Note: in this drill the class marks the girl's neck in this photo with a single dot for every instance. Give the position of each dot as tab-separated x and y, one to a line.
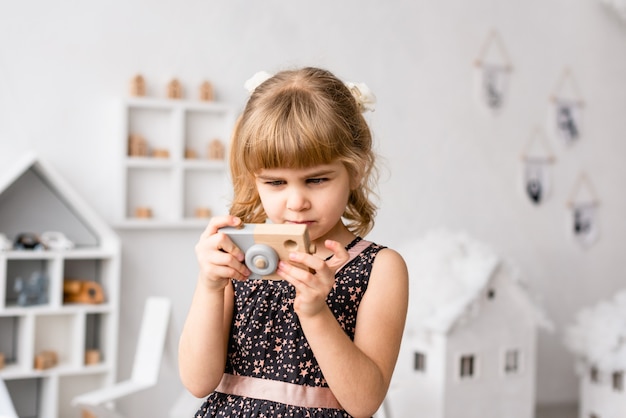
338	233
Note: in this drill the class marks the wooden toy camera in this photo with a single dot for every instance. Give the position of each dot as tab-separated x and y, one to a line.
265	244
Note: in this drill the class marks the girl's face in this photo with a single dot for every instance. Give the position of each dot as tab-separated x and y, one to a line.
316	196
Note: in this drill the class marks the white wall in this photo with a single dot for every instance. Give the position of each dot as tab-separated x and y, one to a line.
64	65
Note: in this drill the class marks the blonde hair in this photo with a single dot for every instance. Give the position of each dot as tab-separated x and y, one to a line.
298	119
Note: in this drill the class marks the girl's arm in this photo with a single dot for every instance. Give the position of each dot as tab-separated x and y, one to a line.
203	342
359	372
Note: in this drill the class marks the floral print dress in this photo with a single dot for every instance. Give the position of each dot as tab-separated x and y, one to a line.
267	342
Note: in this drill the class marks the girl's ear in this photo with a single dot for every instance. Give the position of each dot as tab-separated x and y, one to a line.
356	178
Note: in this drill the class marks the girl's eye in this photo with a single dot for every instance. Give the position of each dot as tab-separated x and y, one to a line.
316	180
275	182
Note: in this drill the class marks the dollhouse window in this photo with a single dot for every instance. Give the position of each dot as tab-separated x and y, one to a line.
618	381
511	361
467	366
419	362
594	375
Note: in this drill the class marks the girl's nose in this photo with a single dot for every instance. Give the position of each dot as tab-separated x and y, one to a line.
297	201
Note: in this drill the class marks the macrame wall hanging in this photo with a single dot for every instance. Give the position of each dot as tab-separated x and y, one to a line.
537	160
565	115
584	204
492	76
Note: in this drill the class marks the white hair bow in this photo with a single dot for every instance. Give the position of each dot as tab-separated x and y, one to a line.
256	80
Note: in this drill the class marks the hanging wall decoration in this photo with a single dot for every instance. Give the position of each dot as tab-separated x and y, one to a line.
537	160
493	68
566	113
584	204
617	6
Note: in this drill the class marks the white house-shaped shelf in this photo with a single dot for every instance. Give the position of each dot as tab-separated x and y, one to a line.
35	198
469	349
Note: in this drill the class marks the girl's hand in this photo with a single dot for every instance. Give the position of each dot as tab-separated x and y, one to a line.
312	288
218	257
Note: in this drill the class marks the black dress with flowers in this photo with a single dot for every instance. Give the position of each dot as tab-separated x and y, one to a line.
267	341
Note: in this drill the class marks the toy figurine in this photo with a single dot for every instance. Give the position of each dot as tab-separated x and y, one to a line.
54	240
137	86
33	291
160	153
82	291
5	243
28	241
190	154
87	414
202	212
174	89
137	146
206	92
143	212
46	359
92	356
216	150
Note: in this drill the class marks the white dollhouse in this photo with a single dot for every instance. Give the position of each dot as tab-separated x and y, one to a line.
598	340
469	345
54	348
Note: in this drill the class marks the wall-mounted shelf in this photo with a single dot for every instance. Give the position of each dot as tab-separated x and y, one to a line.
174	174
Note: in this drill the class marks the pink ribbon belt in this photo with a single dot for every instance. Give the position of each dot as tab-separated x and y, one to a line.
276	391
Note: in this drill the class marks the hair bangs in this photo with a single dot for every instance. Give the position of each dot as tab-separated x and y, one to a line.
294	134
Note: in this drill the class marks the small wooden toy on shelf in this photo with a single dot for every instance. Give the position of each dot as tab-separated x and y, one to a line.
143	212
92	356
190	154
82	291
174	89
203	212
1	361
138	86
46	359
137	146
33	291
160	153
87	414
206	92
215	150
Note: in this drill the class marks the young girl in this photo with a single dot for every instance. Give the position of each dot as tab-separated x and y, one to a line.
324	341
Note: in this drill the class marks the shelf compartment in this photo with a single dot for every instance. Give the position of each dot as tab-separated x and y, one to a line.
204	126
30	281
15	331
153	188
88	281
96	326
62	334
205	189
156	126
26	394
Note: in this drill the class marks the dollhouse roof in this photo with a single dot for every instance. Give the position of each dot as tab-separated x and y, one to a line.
35	198
448	272
598	335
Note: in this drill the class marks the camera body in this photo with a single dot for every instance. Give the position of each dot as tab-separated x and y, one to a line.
264	245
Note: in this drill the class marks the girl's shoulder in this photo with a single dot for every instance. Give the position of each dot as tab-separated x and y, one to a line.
381	256
362	245
388	263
